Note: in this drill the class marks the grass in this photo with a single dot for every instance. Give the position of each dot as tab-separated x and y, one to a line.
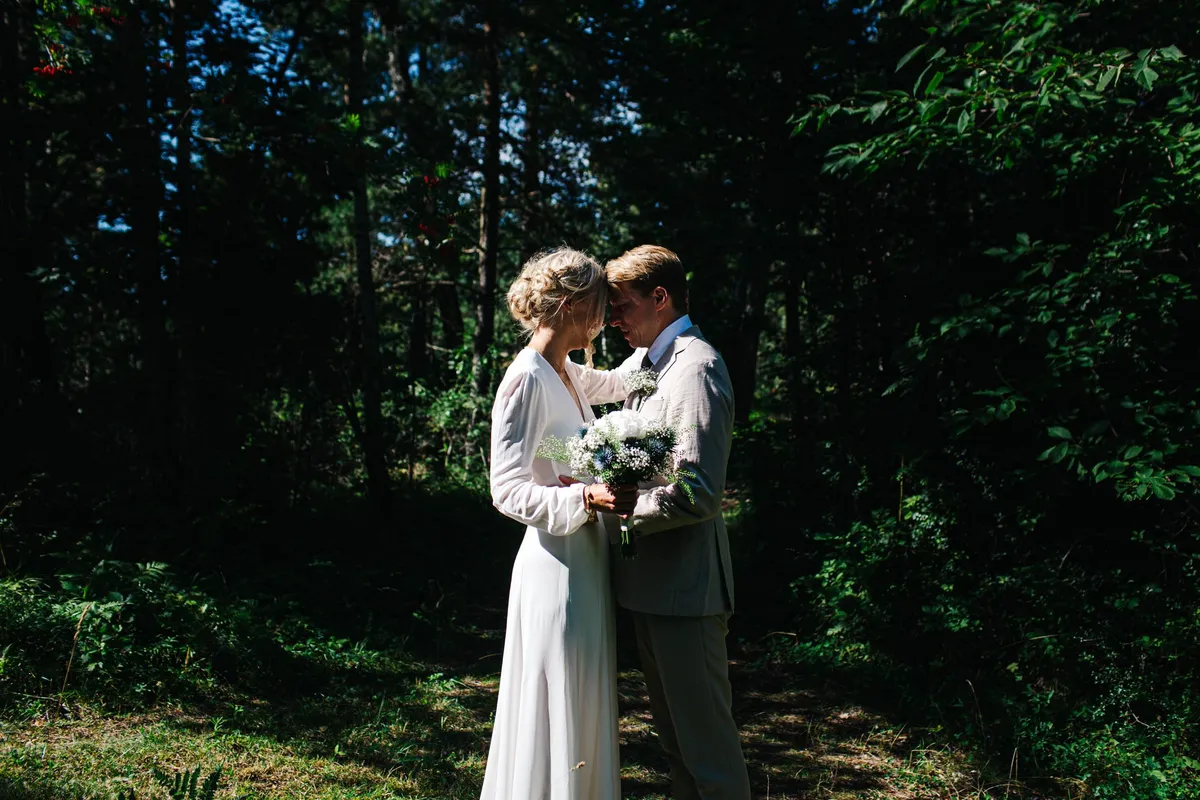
364	684
385	724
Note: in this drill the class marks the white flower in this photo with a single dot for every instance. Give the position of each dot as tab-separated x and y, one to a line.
623	424
635	460
641	381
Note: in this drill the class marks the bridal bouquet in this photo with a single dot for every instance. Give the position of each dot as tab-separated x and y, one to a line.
621	448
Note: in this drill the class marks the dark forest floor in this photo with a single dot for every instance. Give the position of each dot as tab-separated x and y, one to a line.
392	697
395	725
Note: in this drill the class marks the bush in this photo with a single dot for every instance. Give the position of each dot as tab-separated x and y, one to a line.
128	631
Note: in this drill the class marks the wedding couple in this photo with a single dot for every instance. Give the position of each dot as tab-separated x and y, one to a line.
555	734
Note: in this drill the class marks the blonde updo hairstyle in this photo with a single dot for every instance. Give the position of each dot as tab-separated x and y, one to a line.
549	280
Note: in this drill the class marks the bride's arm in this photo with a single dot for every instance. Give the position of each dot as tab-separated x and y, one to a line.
519	418
607	386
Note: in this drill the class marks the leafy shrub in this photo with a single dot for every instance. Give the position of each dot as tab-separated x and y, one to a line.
127	630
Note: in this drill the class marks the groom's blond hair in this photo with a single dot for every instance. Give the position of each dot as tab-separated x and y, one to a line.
647	266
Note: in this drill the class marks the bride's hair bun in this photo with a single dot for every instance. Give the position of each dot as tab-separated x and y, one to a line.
548	280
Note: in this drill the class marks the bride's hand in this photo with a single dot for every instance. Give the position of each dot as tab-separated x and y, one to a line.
618	500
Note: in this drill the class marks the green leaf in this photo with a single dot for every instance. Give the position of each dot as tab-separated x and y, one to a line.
964	121
995	251
920	78
1145	76
1132	451
1170	53
877	110
1059	452
1058	432
1023	239
1163	491
1106	79
934	82
907	57
1190	470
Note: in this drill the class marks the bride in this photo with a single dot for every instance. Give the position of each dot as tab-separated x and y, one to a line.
555	733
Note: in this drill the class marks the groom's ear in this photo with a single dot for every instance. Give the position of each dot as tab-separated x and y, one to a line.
661	298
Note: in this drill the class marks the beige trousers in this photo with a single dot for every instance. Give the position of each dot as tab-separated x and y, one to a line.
687	677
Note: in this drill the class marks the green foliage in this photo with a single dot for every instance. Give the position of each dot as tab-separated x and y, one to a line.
187	785
128	631
183	785
1040	560
958	303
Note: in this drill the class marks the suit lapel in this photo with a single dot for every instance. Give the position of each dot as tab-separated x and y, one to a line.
681	343
666	361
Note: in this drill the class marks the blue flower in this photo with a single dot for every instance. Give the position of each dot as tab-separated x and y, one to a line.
603	458
583	429
655	447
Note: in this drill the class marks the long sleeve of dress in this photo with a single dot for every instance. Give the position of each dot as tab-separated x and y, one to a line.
519	418
605	386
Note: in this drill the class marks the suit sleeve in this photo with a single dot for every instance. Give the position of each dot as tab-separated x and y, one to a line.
702	408
519	418
606	386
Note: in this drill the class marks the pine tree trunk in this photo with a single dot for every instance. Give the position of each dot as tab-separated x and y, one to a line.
532	166
743	365
445	294
181	284
489	214
143	151
29	402
372	379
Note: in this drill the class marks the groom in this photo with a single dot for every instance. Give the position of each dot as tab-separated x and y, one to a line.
680	586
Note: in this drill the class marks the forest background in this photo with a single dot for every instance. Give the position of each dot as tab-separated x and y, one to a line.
254	256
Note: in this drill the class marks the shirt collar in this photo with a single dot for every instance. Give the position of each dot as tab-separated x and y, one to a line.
664	339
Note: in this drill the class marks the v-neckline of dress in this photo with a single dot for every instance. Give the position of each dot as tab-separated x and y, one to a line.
576	399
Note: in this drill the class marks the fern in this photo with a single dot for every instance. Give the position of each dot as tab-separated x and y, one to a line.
182	785
187	785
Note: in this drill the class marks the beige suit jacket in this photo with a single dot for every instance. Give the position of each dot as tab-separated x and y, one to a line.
683	566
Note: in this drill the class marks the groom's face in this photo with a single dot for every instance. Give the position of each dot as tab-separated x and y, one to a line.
633	313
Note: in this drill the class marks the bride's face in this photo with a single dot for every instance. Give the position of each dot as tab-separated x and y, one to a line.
585	318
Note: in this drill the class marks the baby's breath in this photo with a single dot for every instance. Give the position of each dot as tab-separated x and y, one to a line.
641	382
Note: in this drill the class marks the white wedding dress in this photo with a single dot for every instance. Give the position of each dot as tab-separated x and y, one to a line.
555	733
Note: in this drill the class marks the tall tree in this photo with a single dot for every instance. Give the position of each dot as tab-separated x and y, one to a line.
372	363
143	149
489	206
27	357
183	275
